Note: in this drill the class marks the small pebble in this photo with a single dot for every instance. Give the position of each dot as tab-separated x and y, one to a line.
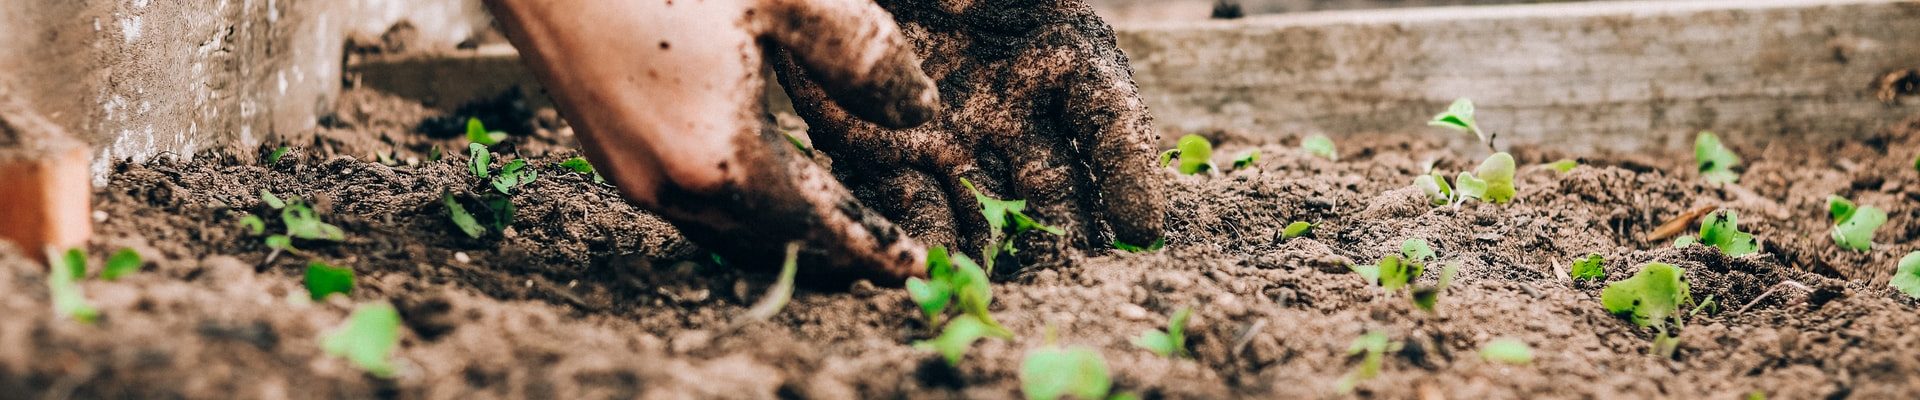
1133	312
461	256
99	216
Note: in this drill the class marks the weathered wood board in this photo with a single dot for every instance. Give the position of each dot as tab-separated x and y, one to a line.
1621	75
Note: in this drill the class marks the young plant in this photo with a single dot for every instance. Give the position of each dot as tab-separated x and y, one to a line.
1853	226
953	279
324	280
1459	117
299	221
63	284
1651	298
512	175
461	218
496	205
1246	159
122	263
1906	275
1563	166
1716	161
367	339
956	338
580	165
1507	350
1721	230
1051	372
1192	155
1156	246
1439	193
1320	146
1492	182
1296	229
778	295
1425	297
478	133
1170	342
1007	219
1591	267
274	157
1374	345
1396	271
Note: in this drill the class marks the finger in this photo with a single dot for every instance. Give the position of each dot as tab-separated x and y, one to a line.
1105	109
778	196
913	199
1044	175
857	54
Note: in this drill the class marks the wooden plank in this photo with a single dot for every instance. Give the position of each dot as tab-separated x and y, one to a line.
1586	74
1620	75
1133	11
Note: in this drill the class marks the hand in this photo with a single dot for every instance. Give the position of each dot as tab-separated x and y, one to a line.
666	95
1040	105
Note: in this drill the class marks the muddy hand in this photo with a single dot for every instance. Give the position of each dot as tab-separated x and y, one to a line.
1039	105
666	96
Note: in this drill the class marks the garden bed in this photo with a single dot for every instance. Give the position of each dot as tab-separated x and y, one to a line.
589	297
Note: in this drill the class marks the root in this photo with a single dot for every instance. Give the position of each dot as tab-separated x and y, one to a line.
1776	287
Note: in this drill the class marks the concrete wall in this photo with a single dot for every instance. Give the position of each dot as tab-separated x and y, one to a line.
143	77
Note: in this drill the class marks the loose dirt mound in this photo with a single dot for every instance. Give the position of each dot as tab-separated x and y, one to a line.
588	297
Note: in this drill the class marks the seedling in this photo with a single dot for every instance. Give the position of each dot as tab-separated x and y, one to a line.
1192	155
1051	372
1438	192
1375	345
1651	298
1507	350
1156	246
1591	267
1685	240
63	284
513	175
799	145
1246	159
1906	276
461	218
1170	342
953	279
479	160
1417	250
1007	219
1563	166
367	339
478	133
1715	160
779	294
1721	230
581	166
324	280
274	157
1296	229
1853	226
122	263
1320	146
1396	271
299	221
1425	297
958	336
1492	182
1459	117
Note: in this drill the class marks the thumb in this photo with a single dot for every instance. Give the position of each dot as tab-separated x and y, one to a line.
858	55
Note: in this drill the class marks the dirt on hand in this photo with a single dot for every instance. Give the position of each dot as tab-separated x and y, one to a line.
587	297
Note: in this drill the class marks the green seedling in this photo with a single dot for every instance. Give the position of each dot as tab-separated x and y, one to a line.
956	338
325	280
1492	182
1853	226
1374	345
1651	298
479	160
1417	250
122	263
1716	161
274	157
1371	272
1320	145
1459	117
1563	166
1296	229
513	175
386	158
1425	297
779	294
1906	275
1685	240
478	133
63	284
1007	219
1156	246
299	221
1467	186
272	201
1497	171
580	165
434	154
1721	230
1395	271
1051	372
1246	159
1192	155
799	145
1507	350
461	218
953	279
254	224
1438	192
368	338
1170	342
1591	267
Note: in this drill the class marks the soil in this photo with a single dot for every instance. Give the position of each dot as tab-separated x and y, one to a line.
588	297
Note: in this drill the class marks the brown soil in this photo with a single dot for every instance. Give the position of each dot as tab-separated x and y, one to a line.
591	298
